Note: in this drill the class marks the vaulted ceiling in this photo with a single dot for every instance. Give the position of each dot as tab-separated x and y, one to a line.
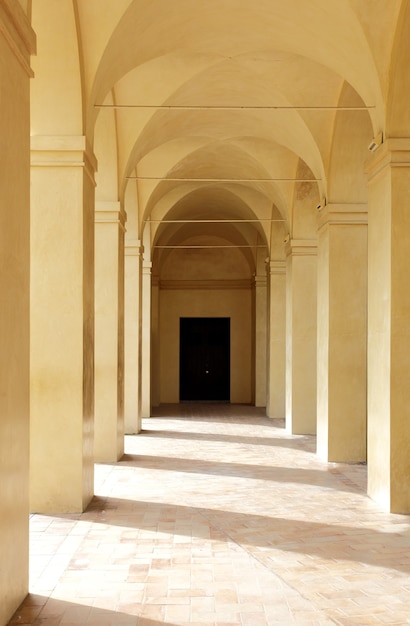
249	112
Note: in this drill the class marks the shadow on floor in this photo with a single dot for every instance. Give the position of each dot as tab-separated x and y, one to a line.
330	542
309	477
307	442
44	611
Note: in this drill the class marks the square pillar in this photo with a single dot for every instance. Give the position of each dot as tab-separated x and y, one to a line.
17	42
109	332
132	419
301	336
155	343
62	324
276	341
341	328
389	326
260	340
145	346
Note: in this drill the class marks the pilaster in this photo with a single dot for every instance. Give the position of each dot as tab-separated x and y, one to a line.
276	340
388	327
145	364
17	42
133	253
260	339
341	343
301	336
155	342
62	324
109	332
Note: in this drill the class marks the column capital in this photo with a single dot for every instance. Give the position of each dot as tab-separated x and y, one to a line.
110	213
276	267
301	247
338	214
16	30
260	281
394	152
63	151
133	247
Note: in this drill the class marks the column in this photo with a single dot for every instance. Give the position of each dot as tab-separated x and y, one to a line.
341	328
260	340
132	418
145	352
155	348
301	336
389	327
17	42
62	324
109	332
276	339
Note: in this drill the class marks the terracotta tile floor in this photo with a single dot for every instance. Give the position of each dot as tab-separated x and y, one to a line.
216	516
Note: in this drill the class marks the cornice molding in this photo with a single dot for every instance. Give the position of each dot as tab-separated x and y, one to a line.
132	251
18	33
343	215
132	247
260	281
110	213
63	151
277	267
394	152
301	247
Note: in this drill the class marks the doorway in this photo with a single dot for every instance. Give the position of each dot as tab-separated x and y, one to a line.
204	359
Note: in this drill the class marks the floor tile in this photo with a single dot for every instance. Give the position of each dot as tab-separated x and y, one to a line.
216	516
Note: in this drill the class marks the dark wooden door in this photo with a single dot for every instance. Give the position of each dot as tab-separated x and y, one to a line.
204	372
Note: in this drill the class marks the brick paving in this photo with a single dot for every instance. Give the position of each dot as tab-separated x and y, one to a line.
216	516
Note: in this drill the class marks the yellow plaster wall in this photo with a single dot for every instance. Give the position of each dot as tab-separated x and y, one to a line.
389	309
379	340
233	303
62	327
109	335
14	324
276	389
88	204
131	336
301	339
342	347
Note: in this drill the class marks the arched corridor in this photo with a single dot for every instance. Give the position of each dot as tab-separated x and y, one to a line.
209	200
215	515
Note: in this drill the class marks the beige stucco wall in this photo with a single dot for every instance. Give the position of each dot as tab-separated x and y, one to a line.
233	303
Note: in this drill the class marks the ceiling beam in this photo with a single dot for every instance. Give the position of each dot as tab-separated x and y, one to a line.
204	246
227	180
193	107
214	221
